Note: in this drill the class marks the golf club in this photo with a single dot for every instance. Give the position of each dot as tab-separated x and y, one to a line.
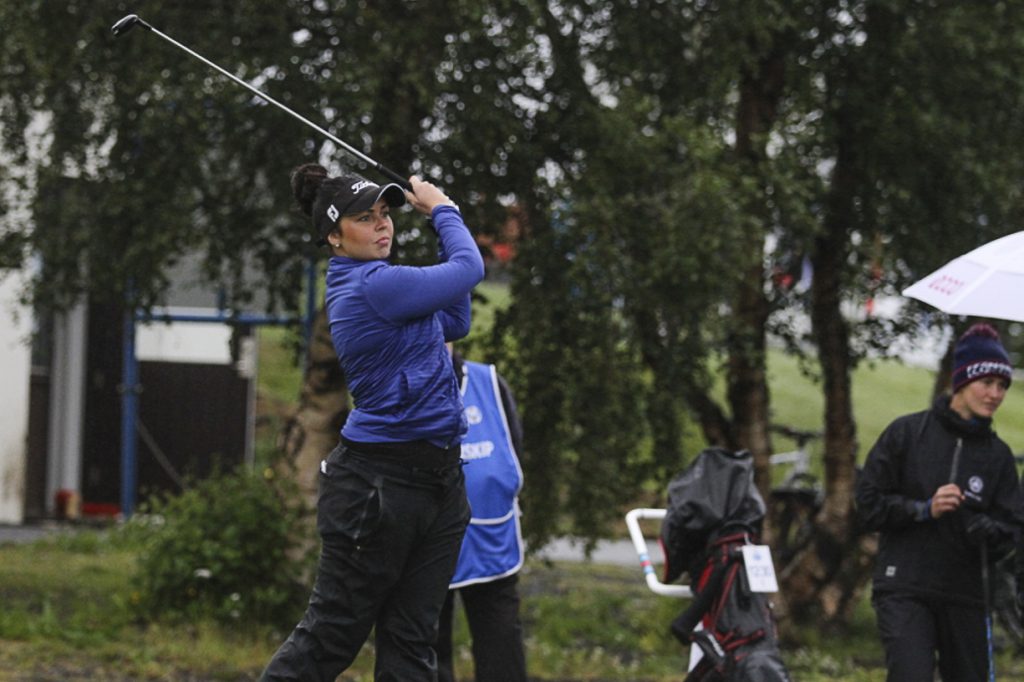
132	20
986	594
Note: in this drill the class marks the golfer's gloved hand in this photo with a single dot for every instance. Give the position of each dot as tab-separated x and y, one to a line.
983	529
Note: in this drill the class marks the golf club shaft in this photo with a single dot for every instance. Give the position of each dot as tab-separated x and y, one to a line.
988	611
390	174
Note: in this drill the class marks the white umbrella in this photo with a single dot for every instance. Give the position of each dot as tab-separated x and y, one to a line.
986	282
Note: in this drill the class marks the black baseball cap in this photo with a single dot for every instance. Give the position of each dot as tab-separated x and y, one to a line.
356	195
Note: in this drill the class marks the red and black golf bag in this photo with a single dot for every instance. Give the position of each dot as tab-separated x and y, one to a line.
714	509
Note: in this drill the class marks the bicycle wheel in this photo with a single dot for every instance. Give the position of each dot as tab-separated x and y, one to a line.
793	511
1005	616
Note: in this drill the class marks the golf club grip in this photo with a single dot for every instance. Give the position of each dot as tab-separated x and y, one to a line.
394	177
954	469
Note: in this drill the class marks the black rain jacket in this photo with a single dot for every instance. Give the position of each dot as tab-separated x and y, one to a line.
911	460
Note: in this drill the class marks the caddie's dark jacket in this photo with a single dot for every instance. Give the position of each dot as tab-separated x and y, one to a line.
911	460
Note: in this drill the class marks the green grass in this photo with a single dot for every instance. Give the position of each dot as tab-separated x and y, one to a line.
882	391
581	621
66	603
40	603
67	616
280	375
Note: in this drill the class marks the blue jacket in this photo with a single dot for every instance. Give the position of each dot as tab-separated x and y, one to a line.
389	324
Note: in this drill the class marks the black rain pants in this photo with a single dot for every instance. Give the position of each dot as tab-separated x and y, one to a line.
915	629
391	528
492	611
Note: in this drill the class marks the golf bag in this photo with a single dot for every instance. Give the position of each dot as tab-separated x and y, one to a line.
714	509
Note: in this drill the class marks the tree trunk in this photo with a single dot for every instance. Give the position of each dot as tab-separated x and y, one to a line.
822	581
312	431
748	377
747	373
714	424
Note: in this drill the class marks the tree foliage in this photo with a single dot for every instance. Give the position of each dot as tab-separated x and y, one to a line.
850	136
147	154
671	167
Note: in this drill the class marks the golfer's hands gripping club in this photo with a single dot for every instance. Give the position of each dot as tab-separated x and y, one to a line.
425	196
946	499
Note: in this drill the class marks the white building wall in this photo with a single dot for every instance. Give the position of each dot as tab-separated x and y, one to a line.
67	404
15	369
200	342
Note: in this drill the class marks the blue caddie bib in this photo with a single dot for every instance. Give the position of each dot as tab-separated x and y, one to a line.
493	546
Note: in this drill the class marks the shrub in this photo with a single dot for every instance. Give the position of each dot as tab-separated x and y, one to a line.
224	549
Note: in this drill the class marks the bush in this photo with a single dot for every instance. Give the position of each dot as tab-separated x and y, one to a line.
223	550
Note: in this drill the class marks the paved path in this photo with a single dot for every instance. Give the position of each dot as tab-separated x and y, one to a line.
617	552
25	533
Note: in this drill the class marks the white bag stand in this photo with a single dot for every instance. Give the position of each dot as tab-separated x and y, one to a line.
650	575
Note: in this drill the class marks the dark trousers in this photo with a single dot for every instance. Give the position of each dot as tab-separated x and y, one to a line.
914	629
391	531
492	611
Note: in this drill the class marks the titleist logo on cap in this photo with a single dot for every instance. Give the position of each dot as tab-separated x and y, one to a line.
356	187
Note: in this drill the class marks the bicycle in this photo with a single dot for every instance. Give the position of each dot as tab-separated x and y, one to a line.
1004	594
797	498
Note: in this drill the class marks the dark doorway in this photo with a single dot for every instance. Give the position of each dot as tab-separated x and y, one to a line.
192	421
193	418
38	439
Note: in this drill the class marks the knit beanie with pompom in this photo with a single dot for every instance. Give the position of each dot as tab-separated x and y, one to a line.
979	353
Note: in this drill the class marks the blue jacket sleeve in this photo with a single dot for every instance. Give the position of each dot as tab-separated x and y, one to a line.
401	293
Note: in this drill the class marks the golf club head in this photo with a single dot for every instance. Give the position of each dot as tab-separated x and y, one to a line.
126	24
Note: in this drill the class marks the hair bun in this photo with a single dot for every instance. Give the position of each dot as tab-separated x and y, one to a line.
306	180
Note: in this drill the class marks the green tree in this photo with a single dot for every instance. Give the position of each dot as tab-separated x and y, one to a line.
873	138
148	156
897	112
663	161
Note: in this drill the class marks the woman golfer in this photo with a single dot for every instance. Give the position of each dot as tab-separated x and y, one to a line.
392	508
